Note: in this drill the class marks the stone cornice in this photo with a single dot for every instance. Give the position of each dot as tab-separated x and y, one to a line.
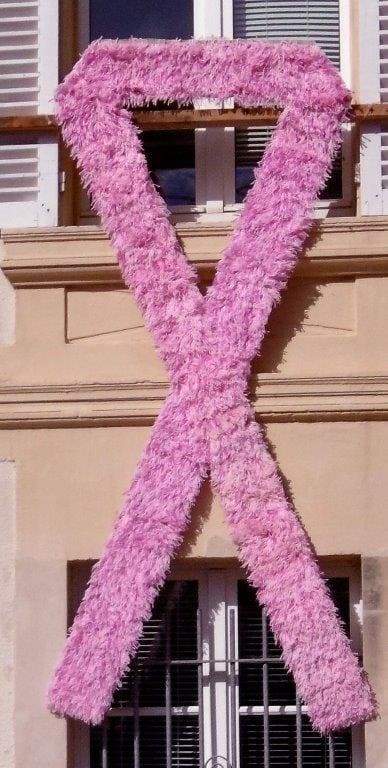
274	398
70	256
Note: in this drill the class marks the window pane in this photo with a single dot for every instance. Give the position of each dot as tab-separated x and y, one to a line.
141	18
282	744
250	144
281	691
170	154
315	20
175	611
171	160
281	686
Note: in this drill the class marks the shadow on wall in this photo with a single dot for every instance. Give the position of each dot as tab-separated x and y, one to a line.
286	320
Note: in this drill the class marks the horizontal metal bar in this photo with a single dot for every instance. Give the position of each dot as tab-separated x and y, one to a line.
250	709
273	709
185	119
194	662
152	711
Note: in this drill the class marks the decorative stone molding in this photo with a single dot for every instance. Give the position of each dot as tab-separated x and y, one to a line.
121	404
64	256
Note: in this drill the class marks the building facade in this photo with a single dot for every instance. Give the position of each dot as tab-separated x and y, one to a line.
81	385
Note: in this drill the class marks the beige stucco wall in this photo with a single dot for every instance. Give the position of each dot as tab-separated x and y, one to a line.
80	385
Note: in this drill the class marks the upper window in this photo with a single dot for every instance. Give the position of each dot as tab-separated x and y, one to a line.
209	687
317	20
209	171
141	18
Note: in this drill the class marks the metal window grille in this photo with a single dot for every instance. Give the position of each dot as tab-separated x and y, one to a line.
158	717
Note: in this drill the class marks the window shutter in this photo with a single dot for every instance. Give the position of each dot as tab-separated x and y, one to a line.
28	76
314	20
170	633
383	49
373	45
281	693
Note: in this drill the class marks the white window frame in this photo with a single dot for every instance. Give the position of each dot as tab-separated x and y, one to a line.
218	603
214	147
42	210
373	198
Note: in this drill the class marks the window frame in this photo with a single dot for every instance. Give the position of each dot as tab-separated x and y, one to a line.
214	147
214	581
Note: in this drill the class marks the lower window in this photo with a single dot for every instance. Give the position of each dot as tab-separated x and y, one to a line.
208	687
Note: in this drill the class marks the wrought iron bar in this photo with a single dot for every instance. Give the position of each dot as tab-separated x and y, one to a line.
299	759
200	689
233	701
265	690
168	692
331	751
104	758
136	718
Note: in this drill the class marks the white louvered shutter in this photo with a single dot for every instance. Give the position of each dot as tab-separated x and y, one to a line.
316	20
383	87
28	76
313	20
373	88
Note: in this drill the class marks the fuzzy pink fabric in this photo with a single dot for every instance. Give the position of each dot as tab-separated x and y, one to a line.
207	344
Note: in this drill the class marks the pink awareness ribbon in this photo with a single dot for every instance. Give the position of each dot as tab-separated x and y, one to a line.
207	344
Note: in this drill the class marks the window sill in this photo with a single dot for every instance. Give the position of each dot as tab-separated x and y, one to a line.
63	256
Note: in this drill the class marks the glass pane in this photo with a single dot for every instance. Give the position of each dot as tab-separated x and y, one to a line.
141	18
250	144
120	742
185	742
170	154
152	742
171	161
282	744
175	611
314	20
281	686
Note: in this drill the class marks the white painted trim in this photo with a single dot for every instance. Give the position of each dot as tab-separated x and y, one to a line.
373	199
369	43
371	193
83	33
215	695
48	53
48	186
42	209
232	575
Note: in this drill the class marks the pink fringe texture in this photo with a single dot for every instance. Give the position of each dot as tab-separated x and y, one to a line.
207	344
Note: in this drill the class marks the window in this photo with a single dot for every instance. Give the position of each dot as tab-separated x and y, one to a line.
373	87
209	171
170	155
307	20
28	75
208	687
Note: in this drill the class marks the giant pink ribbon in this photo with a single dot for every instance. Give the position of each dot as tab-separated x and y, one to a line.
207	344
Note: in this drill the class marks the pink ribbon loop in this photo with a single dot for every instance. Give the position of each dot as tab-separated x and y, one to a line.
207	344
